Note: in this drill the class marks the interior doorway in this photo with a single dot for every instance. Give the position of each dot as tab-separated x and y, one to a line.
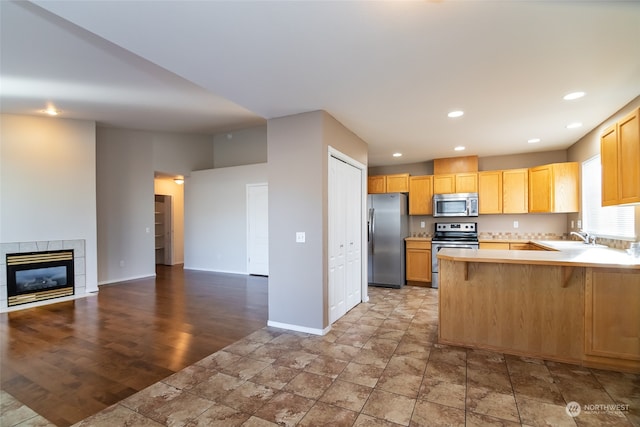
169	220
163	234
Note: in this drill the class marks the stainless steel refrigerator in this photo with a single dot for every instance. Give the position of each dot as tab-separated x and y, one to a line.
388	226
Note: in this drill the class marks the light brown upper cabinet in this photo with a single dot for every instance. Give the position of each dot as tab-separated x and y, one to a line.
553	188
377	184
398	183
490	192
620	157
466	182
421	195
515	191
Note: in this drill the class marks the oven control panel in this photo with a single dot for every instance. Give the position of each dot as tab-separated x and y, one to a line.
456	226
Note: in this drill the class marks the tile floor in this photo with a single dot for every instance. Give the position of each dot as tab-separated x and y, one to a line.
378	366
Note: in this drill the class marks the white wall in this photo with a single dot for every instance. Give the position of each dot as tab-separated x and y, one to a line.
48	183
216	217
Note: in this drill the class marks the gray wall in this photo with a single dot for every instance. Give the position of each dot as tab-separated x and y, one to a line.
126	162
298	183
241	147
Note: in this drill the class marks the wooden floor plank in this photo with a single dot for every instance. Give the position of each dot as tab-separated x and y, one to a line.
72	359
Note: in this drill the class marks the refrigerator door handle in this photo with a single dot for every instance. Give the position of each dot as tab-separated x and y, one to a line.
372	227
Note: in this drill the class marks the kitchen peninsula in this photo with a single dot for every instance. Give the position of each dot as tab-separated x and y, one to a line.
570	303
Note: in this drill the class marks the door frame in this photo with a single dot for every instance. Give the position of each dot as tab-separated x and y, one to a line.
332	152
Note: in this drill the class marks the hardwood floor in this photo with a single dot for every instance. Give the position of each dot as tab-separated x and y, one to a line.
70	360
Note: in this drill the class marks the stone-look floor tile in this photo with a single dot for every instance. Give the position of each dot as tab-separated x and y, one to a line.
346	395
13	412
36	421
447	354
537	388
258	422
290	340
490	379
147	400
389	406
603	419
308	385
405	365
268	353
443	393
432	414
412	349
322	414
370	320
117	415
353	339
245	368
486	360
361	329
340	351
487	402
481	420
285	409
189	377
537	413
295	359
381	346
326	366
275	376
220	416
181	410
264	335
367	375
397	324
390	334
249	397
243	347
216	387
400	383
218	360
369	421
446	372
370	357
622	387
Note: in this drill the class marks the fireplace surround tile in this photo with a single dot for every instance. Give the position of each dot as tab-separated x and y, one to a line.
78	247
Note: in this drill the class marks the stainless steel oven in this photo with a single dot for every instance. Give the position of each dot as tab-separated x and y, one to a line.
457	235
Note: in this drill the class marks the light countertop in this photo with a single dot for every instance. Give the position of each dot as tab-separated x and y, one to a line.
561	252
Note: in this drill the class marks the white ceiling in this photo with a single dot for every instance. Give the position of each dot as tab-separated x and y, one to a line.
388	70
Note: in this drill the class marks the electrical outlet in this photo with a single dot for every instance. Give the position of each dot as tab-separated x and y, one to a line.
516	224
572	224
421	224
579	224
300	237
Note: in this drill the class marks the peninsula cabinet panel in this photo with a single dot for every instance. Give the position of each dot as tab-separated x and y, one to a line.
553	188
620	157
515	191
421	195
490	192
612	317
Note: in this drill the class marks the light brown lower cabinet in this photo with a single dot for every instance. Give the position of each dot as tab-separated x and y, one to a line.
418	262
612	317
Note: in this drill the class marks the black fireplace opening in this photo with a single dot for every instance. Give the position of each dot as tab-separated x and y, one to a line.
37	276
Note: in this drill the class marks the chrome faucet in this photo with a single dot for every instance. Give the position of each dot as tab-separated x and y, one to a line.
587	238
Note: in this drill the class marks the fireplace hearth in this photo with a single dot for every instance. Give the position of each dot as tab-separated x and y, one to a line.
39	276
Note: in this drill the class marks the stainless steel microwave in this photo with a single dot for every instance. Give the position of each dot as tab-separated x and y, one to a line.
456	204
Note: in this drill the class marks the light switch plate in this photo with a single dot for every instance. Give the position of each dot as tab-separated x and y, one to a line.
300	237
516	224
421	224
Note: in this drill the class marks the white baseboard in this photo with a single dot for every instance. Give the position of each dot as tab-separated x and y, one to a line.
299	328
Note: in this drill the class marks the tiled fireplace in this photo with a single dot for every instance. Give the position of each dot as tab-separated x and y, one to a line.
44	272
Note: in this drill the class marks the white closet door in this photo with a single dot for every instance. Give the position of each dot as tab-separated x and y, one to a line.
345	239
337	256
258	229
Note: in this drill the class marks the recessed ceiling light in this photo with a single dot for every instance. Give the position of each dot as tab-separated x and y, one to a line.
454	114
573	95
397	154
533	140
51	111
460	148
574	125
